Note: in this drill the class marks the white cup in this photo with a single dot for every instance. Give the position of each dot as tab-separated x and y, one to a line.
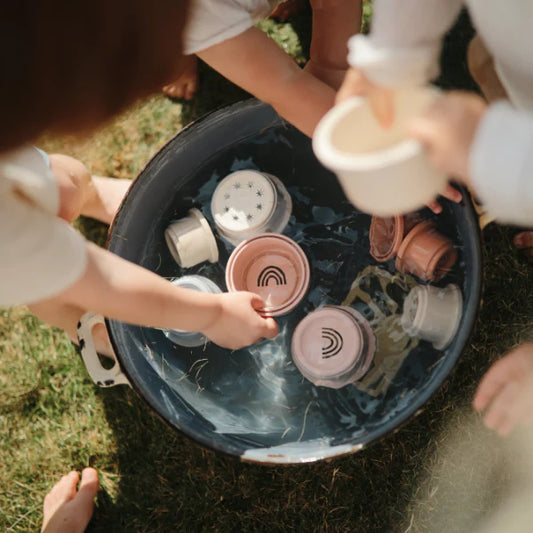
191	339
247	203
191	241
433	313
382	171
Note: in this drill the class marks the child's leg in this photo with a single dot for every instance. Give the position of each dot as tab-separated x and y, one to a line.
187	84
67	509
82	194
334	22
66	317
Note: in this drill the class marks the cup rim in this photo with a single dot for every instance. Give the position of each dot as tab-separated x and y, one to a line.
396	240
208	232
339	160
303	262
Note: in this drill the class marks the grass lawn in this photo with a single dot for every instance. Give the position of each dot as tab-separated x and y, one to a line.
53	419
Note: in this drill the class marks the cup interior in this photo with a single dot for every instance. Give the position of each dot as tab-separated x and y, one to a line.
271	266
358	132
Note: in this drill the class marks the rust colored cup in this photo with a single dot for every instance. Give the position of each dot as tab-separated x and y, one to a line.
426	253
387	233
272	266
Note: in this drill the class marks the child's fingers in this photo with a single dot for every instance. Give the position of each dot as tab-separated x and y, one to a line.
501	413
382	104
257	302
271	328
452	194
524	239
435	207
492	382
354	84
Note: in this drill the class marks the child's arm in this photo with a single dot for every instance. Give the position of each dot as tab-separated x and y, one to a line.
402	50
506	391
124	291
489	148
257	64
334	22
403	47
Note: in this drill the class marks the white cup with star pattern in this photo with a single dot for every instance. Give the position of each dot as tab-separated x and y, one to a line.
247	203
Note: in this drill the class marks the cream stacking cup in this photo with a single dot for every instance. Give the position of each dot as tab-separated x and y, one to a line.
247	203
272	266
190	339
433	314
382	170
333	346
191	241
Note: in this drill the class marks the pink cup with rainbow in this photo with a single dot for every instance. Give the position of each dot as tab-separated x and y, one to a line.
333	346
272	266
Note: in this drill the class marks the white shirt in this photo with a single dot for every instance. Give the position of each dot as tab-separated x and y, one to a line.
212	21
42	255
403	50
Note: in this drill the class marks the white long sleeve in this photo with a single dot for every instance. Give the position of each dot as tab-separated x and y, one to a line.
404	45
501	164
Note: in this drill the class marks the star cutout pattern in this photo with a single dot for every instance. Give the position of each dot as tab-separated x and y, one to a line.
253	210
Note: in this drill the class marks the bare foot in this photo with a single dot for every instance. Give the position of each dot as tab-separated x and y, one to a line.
104	198
80	193
285	10
524	242
187	84
68	511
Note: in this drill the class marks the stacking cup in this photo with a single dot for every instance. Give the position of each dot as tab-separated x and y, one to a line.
387	233
247	203
433	314
333	346
190	339
272	266
191	241
382	170
426	253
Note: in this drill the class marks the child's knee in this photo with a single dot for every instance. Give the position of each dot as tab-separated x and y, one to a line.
74	180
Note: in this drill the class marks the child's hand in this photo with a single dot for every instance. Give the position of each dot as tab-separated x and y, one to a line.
382	103
239	324
448	128
508	388
381	99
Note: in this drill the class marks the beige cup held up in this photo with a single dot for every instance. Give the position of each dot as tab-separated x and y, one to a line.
382	171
